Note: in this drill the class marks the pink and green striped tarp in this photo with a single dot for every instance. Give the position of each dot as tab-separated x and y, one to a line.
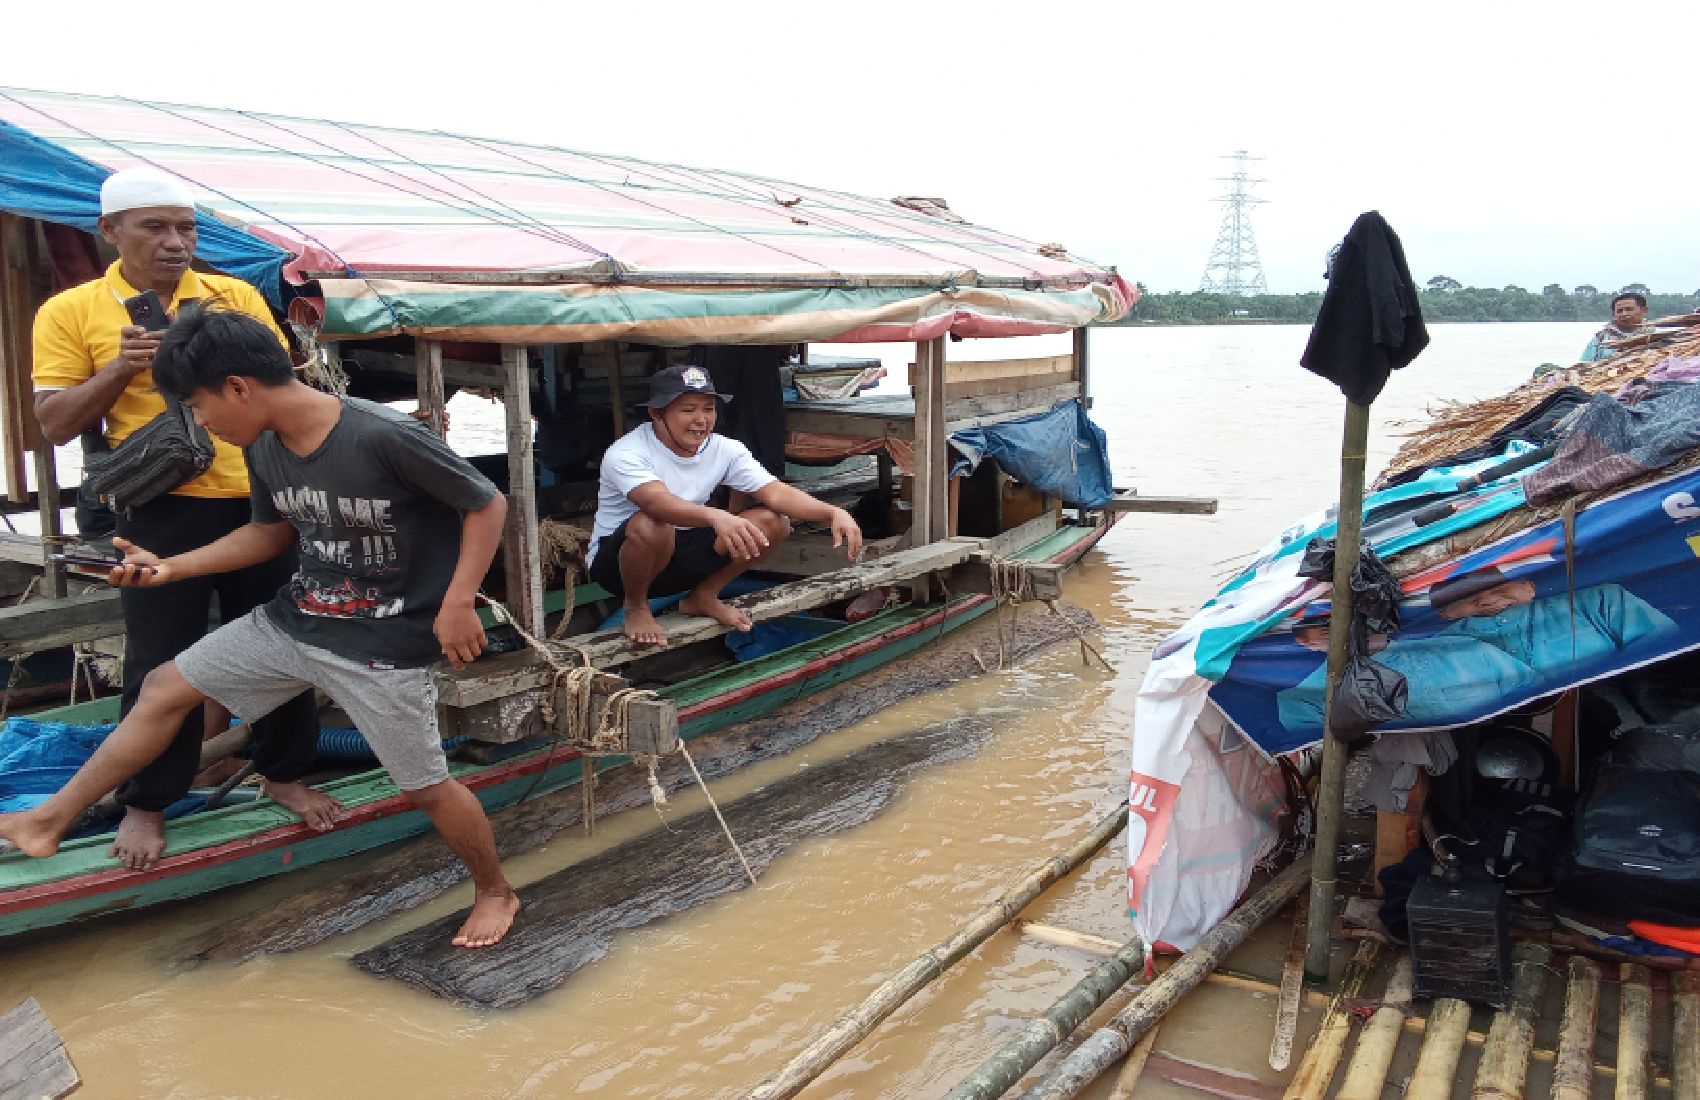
382	230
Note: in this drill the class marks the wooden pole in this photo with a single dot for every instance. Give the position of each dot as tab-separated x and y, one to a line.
617	393
1292	983
428	378
1331	789
1634	1016
1505	1055
1573	1073
1443	1044
997	1074
1322	1057
1685	1035
852	1027
1128	1076
522	555
1110	1042
1366	1075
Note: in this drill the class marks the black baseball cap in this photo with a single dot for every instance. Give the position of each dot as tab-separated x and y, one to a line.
674	382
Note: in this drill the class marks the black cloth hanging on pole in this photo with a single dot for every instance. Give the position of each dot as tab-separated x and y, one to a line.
749	373
1371	320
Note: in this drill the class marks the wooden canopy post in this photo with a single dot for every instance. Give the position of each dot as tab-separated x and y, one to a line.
1331	789
521	553
931	493
16	393
428	375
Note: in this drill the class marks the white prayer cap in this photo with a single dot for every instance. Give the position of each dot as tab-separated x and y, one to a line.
134	188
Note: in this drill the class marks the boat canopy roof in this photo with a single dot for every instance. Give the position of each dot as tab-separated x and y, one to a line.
380	231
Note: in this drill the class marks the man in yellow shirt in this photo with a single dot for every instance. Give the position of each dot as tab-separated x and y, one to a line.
92	363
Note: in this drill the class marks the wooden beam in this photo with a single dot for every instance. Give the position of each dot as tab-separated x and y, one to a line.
617	394
522	554
33	1062
428	373
1083	363
927	430
610	648
499	700
969	411
811	554
970	371
17	392
48	624
975	575
1126	500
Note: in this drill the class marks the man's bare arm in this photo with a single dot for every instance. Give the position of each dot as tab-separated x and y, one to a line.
742	539
250	544
458	630
66	413
788	500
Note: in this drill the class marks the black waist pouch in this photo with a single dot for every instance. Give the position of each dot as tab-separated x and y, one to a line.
165	453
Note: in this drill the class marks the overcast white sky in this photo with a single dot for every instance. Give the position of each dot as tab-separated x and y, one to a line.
1507	142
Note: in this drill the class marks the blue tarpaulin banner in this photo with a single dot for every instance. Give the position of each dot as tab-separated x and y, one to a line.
40	180
1033	449
1503	625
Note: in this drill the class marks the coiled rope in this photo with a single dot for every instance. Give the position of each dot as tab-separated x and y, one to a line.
610	735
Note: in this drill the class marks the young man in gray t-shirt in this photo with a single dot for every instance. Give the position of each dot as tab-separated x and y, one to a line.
395	532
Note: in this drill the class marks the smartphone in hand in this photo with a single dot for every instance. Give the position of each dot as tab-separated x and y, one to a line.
85	560
146	310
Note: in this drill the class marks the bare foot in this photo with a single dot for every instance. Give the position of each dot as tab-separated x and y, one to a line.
723	613
141	839
491	917
642	628
29	834
317	809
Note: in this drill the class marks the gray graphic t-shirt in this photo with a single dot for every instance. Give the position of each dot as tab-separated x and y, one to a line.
377	510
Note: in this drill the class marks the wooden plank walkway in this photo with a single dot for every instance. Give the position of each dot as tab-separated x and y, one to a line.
33	1062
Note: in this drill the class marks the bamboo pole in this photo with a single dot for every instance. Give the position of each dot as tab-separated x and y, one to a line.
1322	1057
1685	1036
428	382
1444	1035
1634	1011
1128	1077
1292	982
1109	1043
997	1074
1331	787
853	1026
1366	1074
1573	1073
1505	1055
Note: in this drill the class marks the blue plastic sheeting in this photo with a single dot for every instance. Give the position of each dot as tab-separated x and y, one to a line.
777	634
37	758
40	180
1060	452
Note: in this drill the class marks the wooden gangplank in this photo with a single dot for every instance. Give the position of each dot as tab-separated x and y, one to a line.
33	1062
1131	500
48	624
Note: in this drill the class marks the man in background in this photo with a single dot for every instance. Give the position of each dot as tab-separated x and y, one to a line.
1628	318
92	363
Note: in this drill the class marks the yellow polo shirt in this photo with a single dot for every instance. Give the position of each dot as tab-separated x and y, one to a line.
76	334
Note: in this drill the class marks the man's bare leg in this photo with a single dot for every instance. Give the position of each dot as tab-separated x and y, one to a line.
645	553
460	820
705	599
143	734
318	809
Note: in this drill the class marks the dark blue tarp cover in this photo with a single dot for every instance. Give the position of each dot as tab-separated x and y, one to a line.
1060	452
40	180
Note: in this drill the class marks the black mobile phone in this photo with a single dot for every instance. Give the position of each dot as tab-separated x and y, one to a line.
88	561
146	310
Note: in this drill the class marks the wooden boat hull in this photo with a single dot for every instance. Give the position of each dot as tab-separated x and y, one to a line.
245	843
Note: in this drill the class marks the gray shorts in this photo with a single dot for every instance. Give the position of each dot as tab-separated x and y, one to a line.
252	668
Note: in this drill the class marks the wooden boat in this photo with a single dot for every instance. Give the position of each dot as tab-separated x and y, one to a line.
522	290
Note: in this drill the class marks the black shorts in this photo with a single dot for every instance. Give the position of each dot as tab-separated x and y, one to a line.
694	559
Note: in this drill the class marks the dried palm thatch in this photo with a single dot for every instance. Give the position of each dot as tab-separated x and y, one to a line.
1458	425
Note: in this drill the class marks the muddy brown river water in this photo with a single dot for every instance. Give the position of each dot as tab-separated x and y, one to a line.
709	1002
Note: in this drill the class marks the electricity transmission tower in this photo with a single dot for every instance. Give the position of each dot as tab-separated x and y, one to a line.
1234	267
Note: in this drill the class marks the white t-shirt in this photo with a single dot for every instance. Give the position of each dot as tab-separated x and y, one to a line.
638	457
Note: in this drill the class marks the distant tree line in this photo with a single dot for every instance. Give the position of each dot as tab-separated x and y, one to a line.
1443	299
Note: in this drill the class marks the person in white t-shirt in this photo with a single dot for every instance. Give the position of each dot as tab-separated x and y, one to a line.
655	534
